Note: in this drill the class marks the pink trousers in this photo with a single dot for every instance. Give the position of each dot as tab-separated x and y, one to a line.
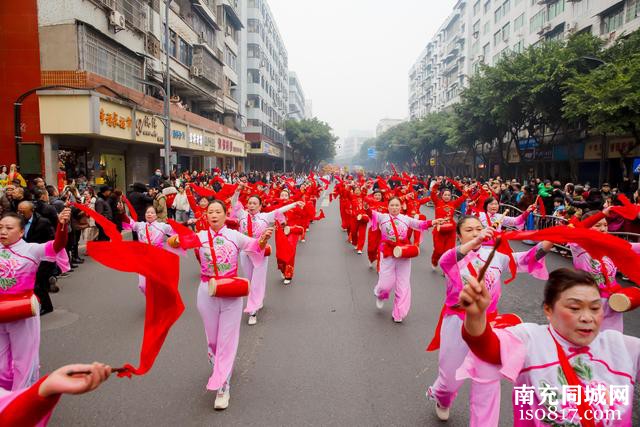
19	353
484	397
221	318
258	278
395	275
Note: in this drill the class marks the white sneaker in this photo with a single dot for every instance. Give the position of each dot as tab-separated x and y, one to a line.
441	412
287	281
303	240
222	400
359	252
372	264
379	303
253	319
396	320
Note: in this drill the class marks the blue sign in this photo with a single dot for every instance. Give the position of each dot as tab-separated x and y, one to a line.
636	165
527	143
371	153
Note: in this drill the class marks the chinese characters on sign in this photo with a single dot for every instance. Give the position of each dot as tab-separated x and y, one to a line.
114	120
148	129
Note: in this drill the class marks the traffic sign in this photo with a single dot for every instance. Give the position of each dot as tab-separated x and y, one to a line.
371	153
636	166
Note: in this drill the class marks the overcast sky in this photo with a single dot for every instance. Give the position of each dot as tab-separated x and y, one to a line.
353	56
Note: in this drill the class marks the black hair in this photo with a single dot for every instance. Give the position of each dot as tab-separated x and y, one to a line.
394	198
463	220
488	201
257	197
563	279
146	208
558	199
14	215
219	202
589	214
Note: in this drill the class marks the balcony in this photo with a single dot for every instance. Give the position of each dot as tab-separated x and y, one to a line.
207	66
231	8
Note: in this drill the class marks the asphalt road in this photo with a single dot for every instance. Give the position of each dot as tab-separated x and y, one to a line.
321	354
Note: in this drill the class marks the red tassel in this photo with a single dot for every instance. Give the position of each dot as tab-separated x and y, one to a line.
132	212
109	228
164	305
542	211
188	239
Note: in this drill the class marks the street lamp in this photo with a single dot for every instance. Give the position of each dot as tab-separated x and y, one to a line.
166	121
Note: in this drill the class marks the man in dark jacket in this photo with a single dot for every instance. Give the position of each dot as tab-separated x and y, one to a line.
38	229
139	199
103	208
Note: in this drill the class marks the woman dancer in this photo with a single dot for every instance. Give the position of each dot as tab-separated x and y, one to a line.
219	253
395	273
444	236
458	264
489	217
570	356
19	261
149	231
253	223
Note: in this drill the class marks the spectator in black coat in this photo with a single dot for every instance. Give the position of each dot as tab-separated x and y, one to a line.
103	208
38	229
139	199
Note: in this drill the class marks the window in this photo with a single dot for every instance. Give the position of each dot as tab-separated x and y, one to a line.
476	7
186	52
496	38
506	31
254	4
476	27
485	50
487	6
110	60
556	8
517	3
253	76
485	29
518	47
633	9
537	21
497	15
173	46
231	59
474	49
253	25
518	22
506	7
613	20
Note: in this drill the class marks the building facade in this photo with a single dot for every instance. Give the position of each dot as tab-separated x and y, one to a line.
98	111
386	124
264	97
481	31
296	98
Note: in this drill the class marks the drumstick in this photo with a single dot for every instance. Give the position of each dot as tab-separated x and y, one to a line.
499	223
486	265
72	373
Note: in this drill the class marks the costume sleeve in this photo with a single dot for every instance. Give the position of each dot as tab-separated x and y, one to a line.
26	407
418	224
485	346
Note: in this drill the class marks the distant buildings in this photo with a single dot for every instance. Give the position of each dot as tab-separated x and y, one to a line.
386	124
481	31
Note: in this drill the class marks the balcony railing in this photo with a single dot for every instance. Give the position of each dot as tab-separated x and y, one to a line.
206	66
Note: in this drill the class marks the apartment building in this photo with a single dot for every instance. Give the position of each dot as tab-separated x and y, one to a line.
296	98
108	128
264	97
481	31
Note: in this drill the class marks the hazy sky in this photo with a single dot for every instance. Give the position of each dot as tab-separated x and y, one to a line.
353	56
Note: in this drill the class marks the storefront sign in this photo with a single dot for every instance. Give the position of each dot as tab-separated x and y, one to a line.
115	120
209	141
149	128
617	147
230	146
271	150
196	138
178	135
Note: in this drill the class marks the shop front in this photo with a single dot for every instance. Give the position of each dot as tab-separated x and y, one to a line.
95	139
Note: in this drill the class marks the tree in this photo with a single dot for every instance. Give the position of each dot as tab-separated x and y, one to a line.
312	141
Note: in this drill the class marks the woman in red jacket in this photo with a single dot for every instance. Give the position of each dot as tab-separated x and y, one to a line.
444	236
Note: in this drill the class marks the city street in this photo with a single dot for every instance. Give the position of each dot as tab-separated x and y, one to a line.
321	354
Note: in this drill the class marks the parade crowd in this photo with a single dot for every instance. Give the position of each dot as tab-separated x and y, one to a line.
234	222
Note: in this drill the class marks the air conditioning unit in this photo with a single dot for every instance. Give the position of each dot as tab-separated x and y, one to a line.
195	71
110	4
481	58
116	19
544	29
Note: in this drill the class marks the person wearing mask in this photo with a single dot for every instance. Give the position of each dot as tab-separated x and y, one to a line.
156	179
103	207
38	229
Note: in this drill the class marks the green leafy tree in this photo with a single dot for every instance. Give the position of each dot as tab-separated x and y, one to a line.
312	141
